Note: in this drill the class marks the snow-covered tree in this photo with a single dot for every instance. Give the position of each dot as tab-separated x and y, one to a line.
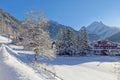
83	42
35	38
66	42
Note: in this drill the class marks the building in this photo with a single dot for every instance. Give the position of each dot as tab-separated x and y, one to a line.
104	47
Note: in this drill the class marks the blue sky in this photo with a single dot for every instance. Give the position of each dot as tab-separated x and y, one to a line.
74	13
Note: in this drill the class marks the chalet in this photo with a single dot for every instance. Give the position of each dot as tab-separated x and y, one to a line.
104	47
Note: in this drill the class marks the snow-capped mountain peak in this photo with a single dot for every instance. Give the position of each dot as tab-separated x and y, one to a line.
101	29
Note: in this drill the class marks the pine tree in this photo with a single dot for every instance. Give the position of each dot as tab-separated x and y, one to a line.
83	42
66	42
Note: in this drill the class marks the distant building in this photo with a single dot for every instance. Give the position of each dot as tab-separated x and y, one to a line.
104	47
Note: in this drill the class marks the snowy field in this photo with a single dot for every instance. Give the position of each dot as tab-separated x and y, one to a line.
84	68
17	64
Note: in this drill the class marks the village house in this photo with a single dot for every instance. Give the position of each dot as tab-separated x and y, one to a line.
105	47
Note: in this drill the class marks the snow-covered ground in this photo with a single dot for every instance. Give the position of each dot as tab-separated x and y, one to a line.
13	69
5	40
84	68
17	64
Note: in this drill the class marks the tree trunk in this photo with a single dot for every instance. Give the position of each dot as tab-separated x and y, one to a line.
36	58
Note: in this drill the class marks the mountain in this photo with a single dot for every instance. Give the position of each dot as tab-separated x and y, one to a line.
54	28
93	37
8	24
96	30
102	30
115	37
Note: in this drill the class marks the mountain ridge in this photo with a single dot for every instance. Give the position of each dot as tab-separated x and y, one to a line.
114	38
96	30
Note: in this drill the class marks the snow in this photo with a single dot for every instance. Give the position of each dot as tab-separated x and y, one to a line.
15	65
14	68
5	40
16	47
84	68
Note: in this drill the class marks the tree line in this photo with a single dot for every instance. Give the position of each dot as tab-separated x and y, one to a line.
72	44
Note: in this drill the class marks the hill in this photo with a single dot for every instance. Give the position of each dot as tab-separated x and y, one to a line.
115	37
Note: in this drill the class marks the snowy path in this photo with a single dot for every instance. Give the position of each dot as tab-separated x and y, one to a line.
13	69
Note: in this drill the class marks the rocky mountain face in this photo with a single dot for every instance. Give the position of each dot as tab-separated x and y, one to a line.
8	24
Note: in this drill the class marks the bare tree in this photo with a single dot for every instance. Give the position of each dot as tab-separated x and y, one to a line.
35	38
